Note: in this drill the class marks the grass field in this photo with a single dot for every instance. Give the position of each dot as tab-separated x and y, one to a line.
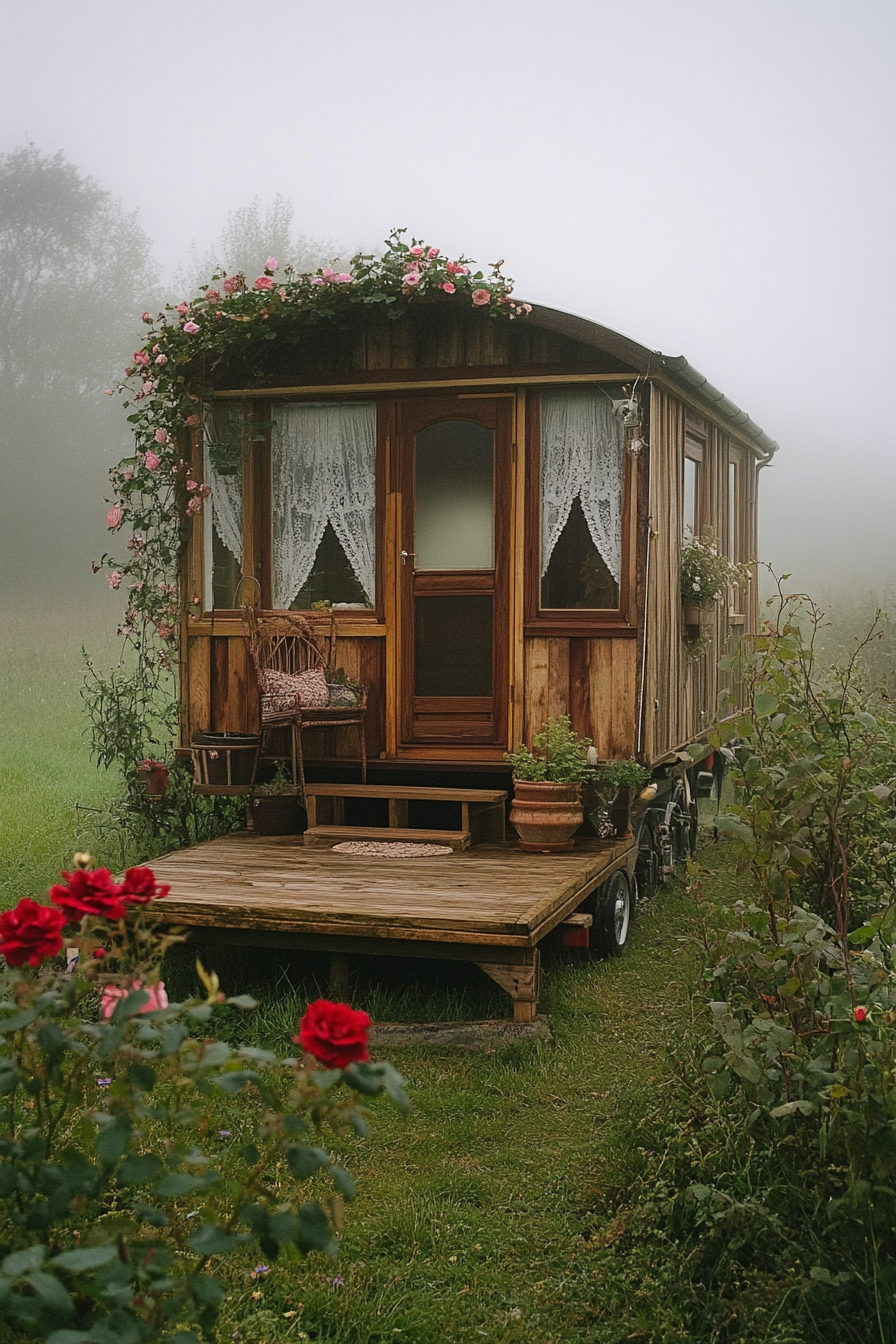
46	775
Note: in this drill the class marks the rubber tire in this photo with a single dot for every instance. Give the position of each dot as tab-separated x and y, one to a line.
613	912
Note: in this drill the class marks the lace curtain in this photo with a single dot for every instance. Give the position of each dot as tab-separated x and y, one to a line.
581	455
224	426
324	460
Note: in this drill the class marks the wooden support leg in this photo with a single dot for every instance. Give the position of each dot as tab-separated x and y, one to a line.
521	983
339	974
398	812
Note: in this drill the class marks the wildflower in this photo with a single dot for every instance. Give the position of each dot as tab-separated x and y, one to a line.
337	1282
223	1133
211	294
103	1082
259	1272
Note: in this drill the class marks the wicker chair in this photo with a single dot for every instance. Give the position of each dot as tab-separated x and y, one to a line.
284	642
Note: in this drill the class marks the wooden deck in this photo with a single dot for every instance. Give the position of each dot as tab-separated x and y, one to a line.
491	904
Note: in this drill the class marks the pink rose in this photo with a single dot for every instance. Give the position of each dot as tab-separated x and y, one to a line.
115	579
433	253
462	270
166	629
231	284
271	264
860	1013
192	420
127	475
447	286
152	461
416	251
190	328
264	282
141	357
344	278
161	359
412	278
452	268
161	436
146	318
194	506
192	485
212	294
317	280
328	274
113	993
113	517
148	386
182	308
481	297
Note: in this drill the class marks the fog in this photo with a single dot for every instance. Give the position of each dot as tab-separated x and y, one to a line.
714	180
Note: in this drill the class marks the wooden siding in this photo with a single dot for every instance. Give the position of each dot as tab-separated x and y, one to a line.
682	692
429	342
221	691
591	680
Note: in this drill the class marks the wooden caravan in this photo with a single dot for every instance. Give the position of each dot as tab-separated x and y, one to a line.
488	517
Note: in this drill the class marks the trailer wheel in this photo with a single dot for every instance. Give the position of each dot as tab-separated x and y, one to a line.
612	916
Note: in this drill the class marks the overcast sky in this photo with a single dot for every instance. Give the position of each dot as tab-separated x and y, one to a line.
714	179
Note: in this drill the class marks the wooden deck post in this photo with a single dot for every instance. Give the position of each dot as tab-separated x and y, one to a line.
521	983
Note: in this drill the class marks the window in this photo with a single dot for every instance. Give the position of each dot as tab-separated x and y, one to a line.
323	460
732	549
690	511
222	532
582	477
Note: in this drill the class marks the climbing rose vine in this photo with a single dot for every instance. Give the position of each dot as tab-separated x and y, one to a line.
229	323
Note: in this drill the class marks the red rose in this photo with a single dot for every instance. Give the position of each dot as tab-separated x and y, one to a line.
30	933
88	893
334	1033
860	1013
140	887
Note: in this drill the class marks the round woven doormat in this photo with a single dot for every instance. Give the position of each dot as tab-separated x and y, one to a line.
376	849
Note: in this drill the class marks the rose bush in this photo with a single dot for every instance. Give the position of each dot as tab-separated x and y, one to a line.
122	1217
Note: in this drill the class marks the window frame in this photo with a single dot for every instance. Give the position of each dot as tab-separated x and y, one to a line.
258	510
573	621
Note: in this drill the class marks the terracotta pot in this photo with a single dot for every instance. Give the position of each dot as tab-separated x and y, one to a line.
155	781
546	815
621	812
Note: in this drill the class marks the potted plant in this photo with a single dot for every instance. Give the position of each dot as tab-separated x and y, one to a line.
547	801
155	777
706	575
276	806
614	788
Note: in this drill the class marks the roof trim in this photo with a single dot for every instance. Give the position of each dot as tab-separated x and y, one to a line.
647	362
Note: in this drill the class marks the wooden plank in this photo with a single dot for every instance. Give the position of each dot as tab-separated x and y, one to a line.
601	694
409	791
422	384
198	686
558	677
580	709
537	672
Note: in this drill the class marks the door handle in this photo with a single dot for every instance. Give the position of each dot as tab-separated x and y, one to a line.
407	555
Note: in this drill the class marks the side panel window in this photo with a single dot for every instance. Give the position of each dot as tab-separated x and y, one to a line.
323	459
690	512
222	532
582	474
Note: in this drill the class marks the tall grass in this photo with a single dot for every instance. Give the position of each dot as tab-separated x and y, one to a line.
48	783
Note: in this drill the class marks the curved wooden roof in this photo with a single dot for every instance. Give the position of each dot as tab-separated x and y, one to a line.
675	367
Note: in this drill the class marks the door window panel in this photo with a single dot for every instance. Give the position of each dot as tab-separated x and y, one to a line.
453	644
454	523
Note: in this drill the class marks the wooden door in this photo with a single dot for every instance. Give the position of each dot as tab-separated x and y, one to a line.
455	462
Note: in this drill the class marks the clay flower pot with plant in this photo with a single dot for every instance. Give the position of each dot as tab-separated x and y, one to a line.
547	787
154	775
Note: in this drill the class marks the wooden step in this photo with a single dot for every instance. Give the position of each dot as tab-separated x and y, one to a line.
325	837
411	792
